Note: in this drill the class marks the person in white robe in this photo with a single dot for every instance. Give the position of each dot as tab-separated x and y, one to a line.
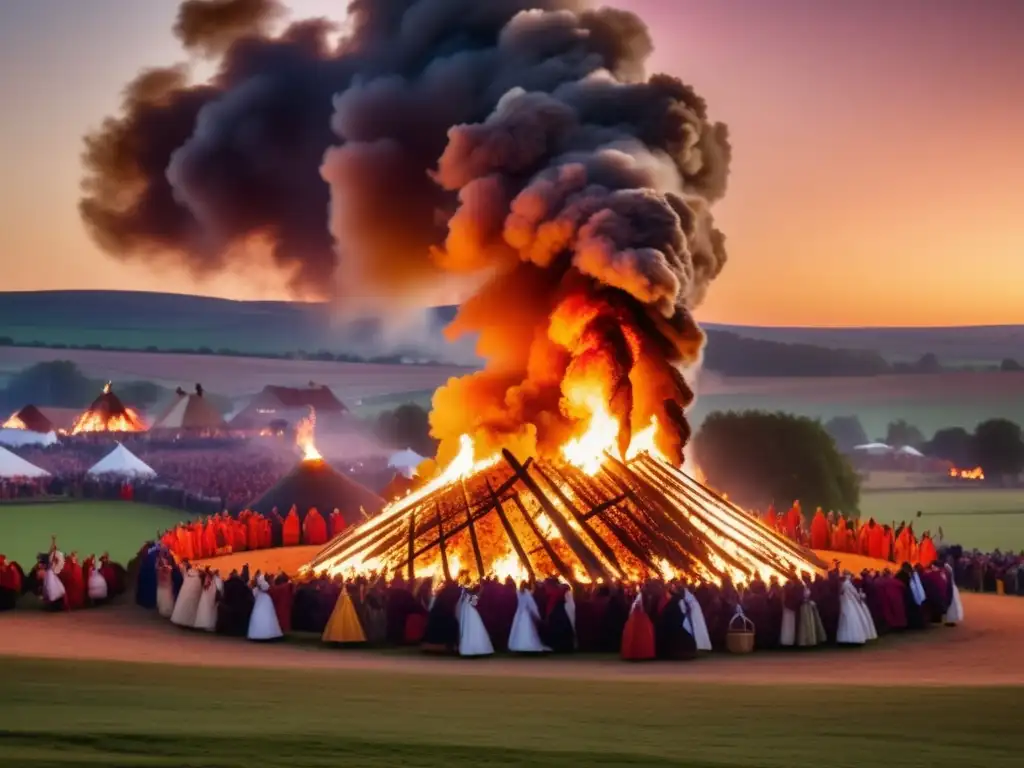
473	637
263	623
187	604
694	622
53	588
856	626
97	586
955	612
865	613
524	637
206	614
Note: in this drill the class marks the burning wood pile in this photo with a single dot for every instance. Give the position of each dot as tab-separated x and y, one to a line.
967	474
108	414
619	520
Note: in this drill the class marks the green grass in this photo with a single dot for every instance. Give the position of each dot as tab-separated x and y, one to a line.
926	415
98	714
986	518
88	527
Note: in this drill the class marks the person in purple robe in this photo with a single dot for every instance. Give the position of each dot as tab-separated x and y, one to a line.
497	610
590	607
442	632
613	622
755	606
556	629
235	607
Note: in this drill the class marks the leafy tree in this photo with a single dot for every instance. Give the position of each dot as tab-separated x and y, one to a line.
1009	365
760	458
901	433
407	426
58	383
999	448
847	431
953	444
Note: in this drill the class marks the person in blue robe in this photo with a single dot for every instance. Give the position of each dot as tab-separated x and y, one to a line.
145	580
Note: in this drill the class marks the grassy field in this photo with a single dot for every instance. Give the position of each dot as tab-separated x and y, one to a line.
119	528
983	518
95	714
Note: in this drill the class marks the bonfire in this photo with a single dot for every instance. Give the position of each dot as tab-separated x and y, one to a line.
108	414
14	421
588	515
967	474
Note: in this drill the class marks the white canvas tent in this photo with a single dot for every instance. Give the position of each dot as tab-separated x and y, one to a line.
123	463
19	437
406	462
873	449
12	465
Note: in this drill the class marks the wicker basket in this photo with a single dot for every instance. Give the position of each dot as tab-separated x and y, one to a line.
740	638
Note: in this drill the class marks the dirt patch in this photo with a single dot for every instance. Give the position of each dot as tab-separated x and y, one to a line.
983	651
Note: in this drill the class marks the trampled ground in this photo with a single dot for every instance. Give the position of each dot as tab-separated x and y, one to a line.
214	701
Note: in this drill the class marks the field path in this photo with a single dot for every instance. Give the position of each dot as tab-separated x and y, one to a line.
983	651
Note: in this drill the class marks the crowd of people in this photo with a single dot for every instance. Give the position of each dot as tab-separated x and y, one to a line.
199	475
656	619
998	572
223	533
62	583
850	535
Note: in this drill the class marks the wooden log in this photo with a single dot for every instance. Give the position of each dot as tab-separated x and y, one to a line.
511	533
600	543
594	568
472	532
412	545
440	544
559	563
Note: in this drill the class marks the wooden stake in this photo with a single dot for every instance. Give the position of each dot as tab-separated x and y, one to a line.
558	562
472	532
510	532
412	545
440	543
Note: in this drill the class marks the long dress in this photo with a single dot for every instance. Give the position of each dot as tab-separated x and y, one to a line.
810	630
955	613
343	626
96	585
53	587
524	637
206	614
638	634
473	637
694	621
187	604
263	623
853	629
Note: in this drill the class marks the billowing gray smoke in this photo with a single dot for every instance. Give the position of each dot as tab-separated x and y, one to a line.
517	141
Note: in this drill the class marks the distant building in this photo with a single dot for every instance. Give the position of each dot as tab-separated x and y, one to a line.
286	406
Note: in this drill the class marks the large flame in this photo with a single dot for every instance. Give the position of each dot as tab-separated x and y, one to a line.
108	414
15	422
305	438
967	474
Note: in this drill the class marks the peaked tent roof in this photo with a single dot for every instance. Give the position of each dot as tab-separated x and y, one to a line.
12	465
44	419
108	406
123	462
315	483
190	411
318	396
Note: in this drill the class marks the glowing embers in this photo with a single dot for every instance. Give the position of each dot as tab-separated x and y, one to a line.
622	521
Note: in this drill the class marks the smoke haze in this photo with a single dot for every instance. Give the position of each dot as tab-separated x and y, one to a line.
516	145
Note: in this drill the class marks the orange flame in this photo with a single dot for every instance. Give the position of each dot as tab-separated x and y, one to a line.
589	450
106	388
967	474
14	422
305	433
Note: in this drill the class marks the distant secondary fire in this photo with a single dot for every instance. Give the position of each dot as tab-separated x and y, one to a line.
14	422
967	474
305	438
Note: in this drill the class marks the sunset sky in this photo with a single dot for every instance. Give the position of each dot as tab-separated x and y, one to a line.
878	173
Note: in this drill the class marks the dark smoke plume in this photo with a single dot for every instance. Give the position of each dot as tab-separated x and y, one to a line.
519	141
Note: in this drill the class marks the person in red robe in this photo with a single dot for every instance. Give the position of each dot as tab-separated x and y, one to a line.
210	538
887	542
74	582
876	541
863	534
820	533
10	584
337	522
314	528
927	554
291	532
282	593
252	531
794	518
839	535
638	634
769	516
